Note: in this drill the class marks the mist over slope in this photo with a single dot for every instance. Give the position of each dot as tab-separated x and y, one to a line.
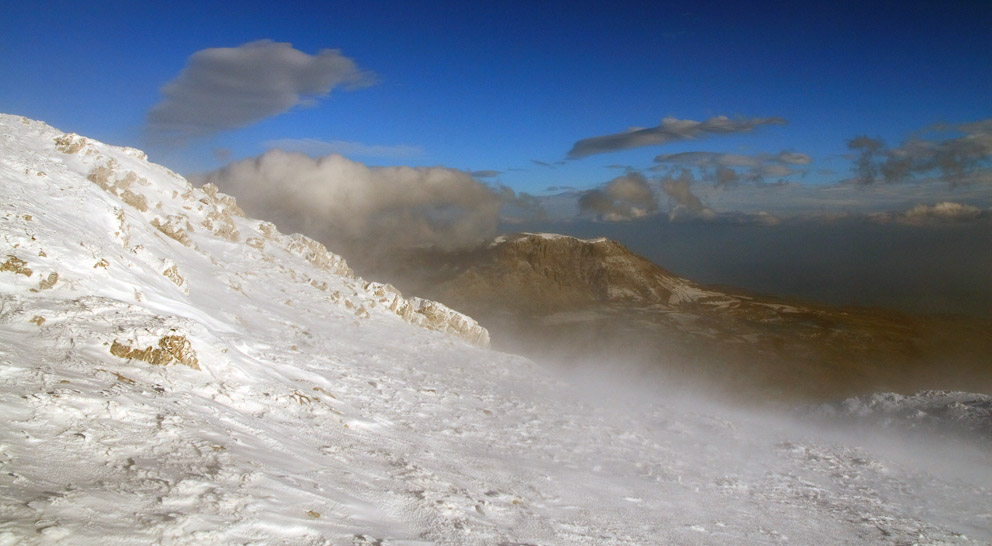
173	372
596	303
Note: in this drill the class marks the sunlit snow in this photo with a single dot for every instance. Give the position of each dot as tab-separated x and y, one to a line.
172	372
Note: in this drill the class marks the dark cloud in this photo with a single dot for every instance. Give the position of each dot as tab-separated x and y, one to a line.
623	198
352	207
546	164
868	149
685	203
227	88
486	173
726	170
957	160
725	176
670	130
707	159
522	207
560	188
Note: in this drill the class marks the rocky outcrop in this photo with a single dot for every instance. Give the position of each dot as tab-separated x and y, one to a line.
172	349
147	209
429	314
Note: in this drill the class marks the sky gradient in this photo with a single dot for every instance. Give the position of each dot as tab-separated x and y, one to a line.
453	121
488	88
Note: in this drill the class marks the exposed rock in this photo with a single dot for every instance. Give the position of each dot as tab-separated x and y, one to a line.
136	200
101	174
222	225
429	314
317	254
48	283
70	143
171	227
16	265
171	271
172	349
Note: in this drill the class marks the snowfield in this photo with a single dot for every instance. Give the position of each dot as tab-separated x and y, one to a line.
172	372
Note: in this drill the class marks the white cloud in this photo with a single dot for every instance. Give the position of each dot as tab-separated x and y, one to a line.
944	211
351	206
623	198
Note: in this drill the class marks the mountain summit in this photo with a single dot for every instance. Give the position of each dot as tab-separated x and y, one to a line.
545	273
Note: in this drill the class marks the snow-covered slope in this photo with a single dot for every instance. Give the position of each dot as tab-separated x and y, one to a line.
174	373
931	413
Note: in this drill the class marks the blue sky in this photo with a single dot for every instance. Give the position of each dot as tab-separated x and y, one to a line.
683	129
507	88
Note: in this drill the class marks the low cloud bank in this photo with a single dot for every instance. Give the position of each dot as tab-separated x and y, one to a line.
356	208
941	213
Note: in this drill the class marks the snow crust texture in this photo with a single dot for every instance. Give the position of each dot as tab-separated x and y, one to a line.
933	413
172	372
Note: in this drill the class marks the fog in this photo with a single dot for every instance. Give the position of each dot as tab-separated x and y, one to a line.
841	462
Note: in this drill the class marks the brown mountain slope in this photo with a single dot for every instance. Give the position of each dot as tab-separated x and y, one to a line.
595	303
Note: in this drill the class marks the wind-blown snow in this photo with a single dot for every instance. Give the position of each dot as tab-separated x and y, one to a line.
172	372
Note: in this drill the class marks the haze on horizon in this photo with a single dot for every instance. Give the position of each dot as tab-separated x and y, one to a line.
840	153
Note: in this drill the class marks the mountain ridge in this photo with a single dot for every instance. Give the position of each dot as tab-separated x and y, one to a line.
185	215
